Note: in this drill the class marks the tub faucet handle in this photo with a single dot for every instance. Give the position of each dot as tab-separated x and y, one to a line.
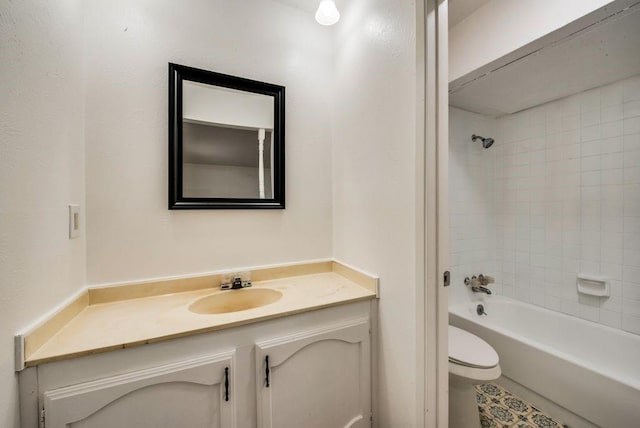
485	279
480	310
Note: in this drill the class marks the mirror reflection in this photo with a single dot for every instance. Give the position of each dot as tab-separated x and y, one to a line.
227	143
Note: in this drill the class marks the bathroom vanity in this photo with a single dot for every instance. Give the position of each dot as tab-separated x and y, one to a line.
128	356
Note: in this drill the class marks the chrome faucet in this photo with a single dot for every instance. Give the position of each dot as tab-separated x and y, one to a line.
480	289
485	280
235	282
478	283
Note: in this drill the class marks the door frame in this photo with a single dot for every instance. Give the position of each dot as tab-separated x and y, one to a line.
432	228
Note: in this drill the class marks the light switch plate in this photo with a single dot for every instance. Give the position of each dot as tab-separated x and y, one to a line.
74	221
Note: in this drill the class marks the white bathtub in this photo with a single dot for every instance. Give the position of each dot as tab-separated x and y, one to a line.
589	369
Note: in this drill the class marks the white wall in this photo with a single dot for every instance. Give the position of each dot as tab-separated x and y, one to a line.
129	45
472	207
503	26
350	101
41	170
568	190
374	145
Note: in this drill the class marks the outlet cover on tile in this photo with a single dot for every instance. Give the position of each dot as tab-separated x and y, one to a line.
74	221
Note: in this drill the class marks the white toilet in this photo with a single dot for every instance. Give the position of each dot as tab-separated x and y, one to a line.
472	361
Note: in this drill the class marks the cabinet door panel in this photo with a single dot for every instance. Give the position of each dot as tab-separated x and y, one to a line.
319	378
189	393
157	406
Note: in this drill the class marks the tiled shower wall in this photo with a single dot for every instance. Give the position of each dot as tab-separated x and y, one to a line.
471	202
566	200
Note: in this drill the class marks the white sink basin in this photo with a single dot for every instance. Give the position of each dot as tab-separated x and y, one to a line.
235	301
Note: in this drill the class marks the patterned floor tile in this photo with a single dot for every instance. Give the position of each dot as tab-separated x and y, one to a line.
491	390
516	405
541	420
523	425
501	409
487	422
500	414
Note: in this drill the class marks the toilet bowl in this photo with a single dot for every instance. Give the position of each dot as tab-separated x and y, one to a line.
472	361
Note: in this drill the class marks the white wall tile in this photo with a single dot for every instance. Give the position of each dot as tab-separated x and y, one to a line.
631	307
631	125
631	275
612	177
632	175
631	142
631	323
631	241
611	95
631	158
594	132
610	303
632	258
589	313
632	206
591	178
591	147
589	100
612	113
631	291
592	117
611	225
611	255
473	224
612	145
616	291
570	307
631	225
552	302
612	160
611	318
558	194
591	163
611	129
570	123
630	109
612	270
631	89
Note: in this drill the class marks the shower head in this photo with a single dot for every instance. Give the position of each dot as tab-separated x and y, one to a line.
486	142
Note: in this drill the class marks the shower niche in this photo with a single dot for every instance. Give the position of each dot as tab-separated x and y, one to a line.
226	141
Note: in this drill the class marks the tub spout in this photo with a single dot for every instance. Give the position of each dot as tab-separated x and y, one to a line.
480	290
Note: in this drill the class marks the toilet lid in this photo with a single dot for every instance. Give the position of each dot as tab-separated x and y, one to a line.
469	350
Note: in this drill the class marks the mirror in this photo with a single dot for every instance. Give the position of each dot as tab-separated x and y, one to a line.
226	141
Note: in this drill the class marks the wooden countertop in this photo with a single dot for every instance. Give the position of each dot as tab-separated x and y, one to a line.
115	324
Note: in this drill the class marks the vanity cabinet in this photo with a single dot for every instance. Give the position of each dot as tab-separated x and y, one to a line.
319	378
194	393
306	370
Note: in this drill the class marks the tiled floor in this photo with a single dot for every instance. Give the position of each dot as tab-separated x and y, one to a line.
501	409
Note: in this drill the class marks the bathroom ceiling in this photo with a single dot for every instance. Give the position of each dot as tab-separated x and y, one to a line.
458	9
603	53
309	6
461	9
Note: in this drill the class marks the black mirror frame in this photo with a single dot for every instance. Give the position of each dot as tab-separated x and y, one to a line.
178	73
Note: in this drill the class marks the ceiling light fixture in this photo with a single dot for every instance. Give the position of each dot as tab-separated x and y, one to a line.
327	13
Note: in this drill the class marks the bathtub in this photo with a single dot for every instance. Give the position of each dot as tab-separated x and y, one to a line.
590	369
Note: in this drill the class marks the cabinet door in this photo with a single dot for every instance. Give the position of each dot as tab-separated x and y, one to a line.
192	393
318	378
